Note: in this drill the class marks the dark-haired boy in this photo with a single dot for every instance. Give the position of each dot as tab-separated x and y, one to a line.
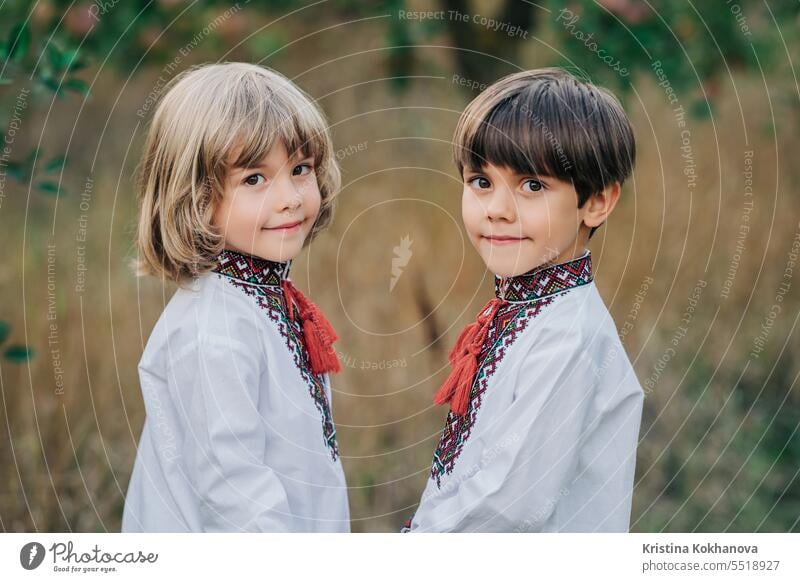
545	408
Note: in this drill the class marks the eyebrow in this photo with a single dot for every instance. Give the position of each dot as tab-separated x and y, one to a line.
471	170
296	157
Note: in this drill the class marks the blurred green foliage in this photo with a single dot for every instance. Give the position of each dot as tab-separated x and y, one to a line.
14	353
52	47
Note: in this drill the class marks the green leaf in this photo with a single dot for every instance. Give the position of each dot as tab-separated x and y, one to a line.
17	171
55	57
48	83
72	61
76	66
47	80
5	329
78	86
55	164
26	166
18	353
701	109
18	41
49	188
32	155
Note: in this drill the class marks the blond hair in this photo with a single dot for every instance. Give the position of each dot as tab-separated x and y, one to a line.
212	118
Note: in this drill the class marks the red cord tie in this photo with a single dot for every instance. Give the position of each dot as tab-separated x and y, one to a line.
464	360
317	331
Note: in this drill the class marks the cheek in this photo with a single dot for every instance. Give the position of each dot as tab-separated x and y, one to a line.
312	199
222	213
547	216
533	216
241	209
566	212
471	211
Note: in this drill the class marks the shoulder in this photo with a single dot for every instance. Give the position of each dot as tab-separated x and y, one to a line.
569	318
575	352
577	327
597	338
206	311
579	313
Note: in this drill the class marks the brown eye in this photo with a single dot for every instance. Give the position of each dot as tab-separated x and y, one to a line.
302	169
532	186
480	182
252	180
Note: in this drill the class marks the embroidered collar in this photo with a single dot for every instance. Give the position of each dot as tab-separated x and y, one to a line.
251	269
544	281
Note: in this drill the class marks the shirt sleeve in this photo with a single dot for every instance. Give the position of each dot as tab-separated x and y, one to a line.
530	452
237	491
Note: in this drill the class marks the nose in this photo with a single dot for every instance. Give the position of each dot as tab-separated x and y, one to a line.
286	194
501	205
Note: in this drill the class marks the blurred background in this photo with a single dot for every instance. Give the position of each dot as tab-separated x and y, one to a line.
696	265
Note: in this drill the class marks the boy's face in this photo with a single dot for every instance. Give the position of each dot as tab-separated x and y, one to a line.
268	211
519	222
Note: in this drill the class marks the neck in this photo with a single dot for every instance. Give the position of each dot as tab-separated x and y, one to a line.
252	269
547	279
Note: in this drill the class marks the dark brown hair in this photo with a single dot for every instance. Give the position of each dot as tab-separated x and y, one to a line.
547	122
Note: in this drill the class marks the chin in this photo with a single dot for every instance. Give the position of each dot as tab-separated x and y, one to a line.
506	260
507	267
282	254
507	263
268	250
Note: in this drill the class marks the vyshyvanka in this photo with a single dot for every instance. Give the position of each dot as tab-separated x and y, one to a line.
238	434
545	411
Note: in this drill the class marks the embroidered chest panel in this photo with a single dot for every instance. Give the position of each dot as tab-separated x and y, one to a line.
525	295
269	297
507	325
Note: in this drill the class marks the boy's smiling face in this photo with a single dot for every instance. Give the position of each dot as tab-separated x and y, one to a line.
518	222
269	211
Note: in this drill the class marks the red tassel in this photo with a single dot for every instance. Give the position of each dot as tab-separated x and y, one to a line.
464	360
318	333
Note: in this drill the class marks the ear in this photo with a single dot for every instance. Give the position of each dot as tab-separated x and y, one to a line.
600	204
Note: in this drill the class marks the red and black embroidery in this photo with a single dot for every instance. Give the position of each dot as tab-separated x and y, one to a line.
261	279
542	282
524	298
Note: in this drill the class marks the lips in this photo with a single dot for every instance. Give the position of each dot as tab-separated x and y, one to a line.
498	239
285	227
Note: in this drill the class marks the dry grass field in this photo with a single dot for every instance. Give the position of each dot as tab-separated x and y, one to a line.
719	449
